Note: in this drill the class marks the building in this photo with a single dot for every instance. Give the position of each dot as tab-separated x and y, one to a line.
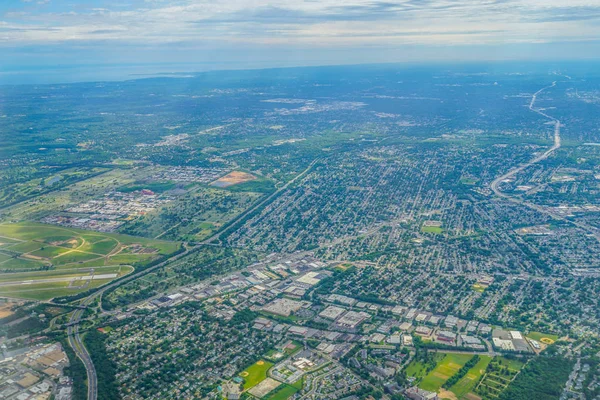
331	312
414	393
446	336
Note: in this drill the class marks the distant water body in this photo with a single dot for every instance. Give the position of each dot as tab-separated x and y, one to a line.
97	73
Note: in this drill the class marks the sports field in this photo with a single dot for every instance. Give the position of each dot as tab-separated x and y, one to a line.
545	338
255	374
39	261
432	229
444	369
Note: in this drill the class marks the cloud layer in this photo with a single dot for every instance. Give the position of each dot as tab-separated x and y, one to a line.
292	25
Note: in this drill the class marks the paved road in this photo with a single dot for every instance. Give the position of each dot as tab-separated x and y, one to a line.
77	344
557	143
231	225
73	331
494	185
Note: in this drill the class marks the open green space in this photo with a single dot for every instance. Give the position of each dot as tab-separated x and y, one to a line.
539	336
99	245
74	257
432	229
26	247
19	264
465	180
498	374
468	382
41	252
260	185
418	369
255	374
49	252
286	391
444	369
157	187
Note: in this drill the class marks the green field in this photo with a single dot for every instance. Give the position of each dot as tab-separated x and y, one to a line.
255	374
468	382
286	391
499	373
432	229
33	252
260	185
468	180
418	369
539	336
444	369
20	264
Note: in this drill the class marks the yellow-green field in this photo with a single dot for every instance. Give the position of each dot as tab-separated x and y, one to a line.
432	229
545	338
287	391
448	366
255	374
418	369
468	382
39	261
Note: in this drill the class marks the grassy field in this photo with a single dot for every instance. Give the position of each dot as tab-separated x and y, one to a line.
418	369
255	374
499	373
468	382
468	180
444	369
539	336
39	261
432	229
286	391
478	288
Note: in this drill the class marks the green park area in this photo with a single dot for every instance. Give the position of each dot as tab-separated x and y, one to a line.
432	229
498	375
255	374
286	391
445	368
545	338
39	261
468	382
489	375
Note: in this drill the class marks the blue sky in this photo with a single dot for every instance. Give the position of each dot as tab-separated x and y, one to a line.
263	33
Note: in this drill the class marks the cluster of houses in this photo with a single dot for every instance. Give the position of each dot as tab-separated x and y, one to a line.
36	374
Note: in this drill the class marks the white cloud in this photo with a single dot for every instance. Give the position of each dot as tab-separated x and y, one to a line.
321	23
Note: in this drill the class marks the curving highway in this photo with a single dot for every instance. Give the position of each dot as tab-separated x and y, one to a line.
73	330
494	185
77	344
557	143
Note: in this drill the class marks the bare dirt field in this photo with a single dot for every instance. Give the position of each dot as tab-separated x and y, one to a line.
266	386
5	309
233	178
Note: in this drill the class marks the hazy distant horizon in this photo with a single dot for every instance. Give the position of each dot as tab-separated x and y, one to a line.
38	35
69	74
